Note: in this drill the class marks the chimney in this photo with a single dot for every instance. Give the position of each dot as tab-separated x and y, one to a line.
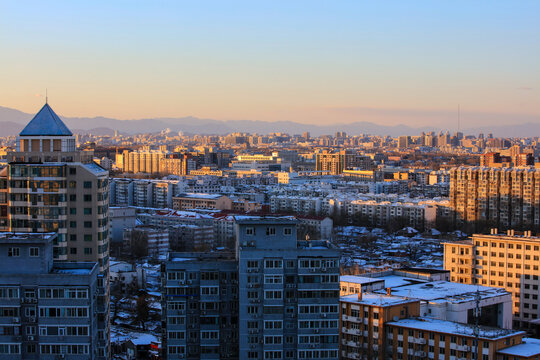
388	291
360	296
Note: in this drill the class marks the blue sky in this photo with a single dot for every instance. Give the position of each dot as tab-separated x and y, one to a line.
306	61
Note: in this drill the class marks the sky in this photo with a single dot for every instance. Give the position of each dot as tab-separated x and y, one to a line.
320	62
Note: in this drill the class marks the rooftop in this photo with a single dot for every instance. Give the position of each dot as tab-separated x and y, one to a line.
529	347
449	327
446	291
46	123
359	279
376	299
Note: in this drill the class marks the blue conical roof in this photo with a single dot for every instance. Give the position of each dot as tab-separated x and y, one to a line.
46	123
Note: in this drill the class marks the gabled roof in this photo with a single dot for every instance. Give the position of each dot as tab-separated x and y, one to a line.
46	123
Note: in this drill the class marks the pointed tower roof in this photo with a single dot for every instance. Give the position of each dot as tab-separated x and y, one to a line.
46	123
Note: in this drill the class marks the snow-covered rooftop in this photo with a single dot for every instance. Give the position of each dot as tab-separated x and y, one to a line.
359	279
376	299
529	347
447	291
449	327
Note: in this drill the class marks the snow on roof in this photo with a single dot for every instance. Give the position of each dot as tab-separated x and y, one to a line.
72	271
358	279
529	347
449	327
393	281
94	168
200	196
376	299
447	291
142	339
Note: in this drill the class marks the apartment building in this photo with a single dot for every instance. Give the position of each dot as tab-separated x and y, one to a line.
336	162
200	306
501	197
295	204
428	338
201	201
52	187
49	308
288	292
508	261
363	323
154	241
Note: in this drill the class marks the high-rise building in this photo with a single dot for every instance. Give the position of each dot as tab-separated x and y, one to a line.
50	186
499	197
49	308
506	261
200	306
288	293
277	298
336	162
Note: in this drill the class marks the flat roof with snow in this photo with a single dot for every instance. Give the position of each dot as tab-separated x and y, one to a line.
359	279
447	291
376	299
449	327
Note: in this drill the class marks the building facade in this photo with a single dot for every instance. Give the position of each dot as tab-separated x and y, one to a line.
508	261
49	308
53	187
288	293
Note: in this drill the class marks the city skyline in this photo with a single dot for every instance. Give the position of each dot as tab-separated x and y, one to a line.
315	63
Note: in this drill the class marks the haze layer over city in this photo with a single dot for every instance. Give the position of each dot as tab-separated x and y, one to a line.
270	180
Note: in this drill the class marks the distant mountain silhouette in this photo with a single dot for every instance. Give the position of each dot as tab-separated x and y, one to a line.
12	122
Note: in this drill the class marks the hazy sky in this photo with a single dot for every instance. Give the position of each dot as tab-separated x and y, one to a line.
311	61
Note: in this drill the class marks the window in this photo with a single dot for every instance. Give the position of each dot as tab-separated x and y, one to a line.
273	264
287	231
87	184
72	224
87	197
87	211
250	231
73	211
88	237
73	197
73	251
88	224
72	171
34	252
87	251
270	230
14	252
72	184
73	237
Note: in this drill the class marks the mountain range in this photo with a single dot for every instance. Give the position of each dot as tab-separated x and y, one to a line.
12	121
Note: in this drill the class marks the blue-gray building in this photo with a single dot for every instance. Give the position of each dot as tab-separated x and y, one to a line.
288	291
48	309
276	298
200	306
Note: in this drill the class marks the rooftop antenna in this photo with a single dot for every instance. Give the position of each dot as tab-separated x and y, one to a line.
458	117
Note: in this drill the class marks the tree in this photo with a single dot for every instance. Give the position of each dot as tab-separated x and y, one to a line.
143	309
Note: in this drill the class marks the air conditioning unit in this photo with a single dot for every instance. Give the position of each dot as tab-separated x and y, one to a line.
182	282
323	269
249	270
32	319
34	300
30	338
323	315
189	282
16	320
312	270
